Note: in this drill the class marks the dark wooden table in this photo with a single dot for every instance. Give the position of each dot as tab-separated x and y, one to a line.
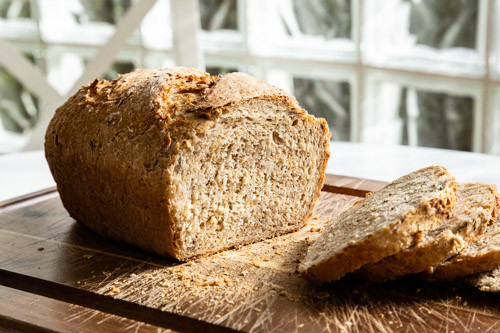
55	275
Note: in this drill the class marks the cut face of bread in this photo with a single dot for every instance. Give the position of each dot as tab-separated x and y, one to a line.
475	210
482	255
186	164
387	222
253	173
487	281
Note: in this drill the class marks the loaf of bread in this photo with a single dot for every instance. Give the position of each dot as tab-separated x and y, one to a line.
481	256
186	164
386	222
475	209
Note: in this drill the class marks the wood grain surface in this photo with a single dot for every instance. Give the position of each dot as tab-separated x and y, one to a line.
23	311
46	255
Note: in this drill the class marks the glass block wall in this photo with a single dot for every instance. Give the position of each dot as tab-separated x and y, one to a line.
412	72
419	73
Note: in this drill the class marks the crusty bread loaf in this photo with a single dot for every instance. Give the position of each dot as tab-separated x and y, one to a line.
475	210
185	164
487	281
386	222
482	255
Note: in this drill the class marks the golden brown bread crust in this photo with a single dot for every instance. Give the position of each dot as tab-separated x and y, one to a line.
109	146
234	87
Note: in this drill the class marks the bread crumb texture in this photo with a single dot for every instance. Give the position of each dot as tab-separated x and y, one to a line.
382	224
186	164
482	255
487	281
474	211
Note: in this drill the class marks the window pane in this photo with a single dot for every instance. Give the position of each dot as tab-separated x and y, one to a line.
319	29
444	24
426	35
85	22
219	23
15	9
441	120
19	111
327	18
218	15
17	20
329	100
18	27
495	47
407	115
66	65
109	11
156	30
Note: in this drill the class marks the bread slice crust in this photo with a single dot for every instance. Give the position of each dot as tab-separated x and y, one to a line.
386	222
475	210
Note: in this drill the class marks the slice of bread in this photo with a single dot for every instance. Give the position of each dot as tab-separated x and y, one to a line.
386	222
475	210
482	255
185	164
487	281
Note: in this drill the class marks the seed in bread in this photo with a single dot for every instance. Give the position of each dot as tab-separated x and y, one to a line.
384	223
474	211
186	164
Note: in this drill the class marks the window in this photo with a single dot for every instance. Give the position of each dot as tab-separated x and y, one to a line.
62	39
18	112
426	35
418	112
414	72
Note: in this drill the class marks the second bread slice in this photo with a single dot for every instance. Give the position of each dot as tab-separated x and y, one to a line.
385	223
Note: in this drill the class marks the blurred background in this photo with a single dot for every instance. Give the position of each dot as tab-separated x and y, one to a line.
412	72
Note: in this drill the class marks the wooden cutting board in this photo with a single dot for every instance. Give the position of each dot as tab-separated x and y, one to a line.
57	275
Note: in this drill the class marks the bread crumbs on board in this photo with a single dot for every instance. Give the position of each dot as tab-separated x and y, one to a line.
236	279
